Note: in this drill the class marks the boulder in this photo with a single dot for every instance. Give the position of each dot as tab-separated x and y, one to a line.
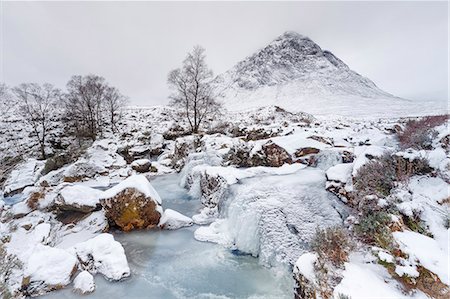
173	220
84	283
78	198
132	204
23	175
304	276
102	254
306	151
47	269
141	165
275	155
82	169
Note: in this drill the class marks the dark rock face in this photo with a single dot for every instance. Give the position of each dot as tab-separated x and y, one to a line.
130	209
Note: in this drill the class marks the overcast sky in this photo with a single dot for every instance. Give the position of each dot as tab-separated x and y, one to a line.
401	46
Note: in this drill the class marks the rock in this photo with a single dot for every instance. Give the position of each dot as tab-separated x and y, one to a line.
275	155
78	198
348	157
47	269
81	170
24	175
141	165
102	254
132	204
270	154
84	283
304	277
258	134
306	151
173	220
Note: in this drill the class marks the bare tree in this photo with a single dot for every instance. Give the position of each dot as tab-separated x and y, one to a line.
90	103
193	93
37	105
114	102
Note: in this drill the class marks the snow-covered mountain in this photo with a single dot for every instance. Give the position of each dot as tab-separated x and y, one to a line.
293	72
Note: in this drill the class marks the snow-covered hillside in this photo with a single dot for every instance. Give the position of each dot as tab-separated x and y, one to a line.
294	73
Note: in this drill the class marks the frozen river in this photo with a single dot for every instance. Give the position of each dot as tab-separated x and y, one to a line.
172	264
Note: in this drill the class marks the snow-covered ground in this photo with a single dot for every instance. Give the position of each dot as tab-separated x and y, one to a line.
258	187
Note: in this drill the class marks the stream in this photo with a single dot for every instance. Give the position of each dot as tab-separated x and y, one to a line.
172	264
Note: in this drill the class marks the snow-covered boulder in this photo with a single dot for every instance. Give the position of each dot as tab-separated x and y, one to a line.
141	165
104	255
25	174
48	269
83	169
132	204
304	275
173	220
78	198
339	181
84	283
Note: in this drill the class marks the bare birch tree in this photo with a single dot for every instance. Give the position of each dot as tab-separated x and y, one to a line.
114	102
37	104
193	93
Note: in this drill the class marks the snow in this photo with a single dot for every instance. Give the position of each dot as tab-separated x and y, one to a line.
305	266
52	266
138	182
87	228
361	153
140	162
41	233
80	195
25	174
364	280
340	172
171	219
84	283
427	251
104	255
385	257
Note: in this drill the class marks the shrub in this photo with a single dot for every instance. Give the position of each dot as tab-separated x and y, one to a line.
332	244
373	229
419	134
376	177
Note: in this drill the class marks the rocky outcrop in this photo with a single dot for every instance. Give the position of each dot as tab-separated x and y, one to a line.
132	204
270	154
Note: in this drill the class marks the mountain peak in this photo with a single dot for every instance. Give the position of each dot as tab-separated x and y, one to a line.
292	35
290	70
